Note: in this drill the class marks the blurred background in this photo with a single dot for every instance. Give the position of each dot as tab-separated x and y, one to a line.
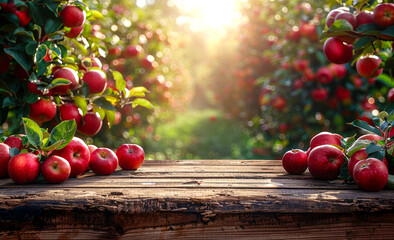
228	79
235	78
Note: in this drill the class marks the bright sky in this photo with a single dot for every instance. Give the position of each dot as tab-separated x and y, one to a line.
203	14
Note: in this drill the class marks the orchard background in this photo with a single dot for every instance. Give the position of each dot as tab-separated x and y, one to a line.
189	79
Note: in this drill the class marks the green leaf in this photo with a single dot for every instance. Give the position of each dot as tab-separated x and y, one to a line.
30	98
31	48
52	25
365	126
367	28
341	25
9	101
104	103
62	134
138	92
33	132
388	31
372	147
58	82
344	172
110	115
81	103
142	102
19	54
385	79
41	52
14	151
357	145
120	83
362	42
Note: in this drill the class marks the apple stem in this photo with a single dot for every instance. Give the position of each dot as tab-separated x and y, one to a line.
55	164
131	150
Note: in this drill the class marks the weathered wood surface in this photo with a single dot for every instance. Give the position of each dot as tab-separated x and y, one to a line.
195	199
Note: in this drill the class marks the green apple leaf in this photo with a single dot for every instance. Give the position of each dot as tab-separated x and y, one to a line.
58	82
142	102
365	126
81	103
344	172
33	132
105	104
62	134
110	115
357	145
120	83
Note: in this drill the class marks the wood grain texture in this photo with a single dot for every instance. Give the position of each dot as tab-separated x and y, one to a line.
202	199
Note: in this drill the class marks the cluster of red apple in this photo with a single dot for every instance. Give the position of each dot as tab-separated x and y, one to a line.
339	49
325	157
21	12
71	161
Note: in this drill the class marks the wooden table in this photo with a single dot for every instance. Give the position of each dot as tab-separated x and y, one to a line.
202	199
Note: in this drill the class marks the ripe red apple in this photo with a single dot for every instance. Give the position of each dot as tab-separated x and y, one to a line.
325	138
319	94
74	32
77	154
342	93
4	158
131	156
279	103
92	147
364	17
103	161
43	110
23	15
390	95
383	15
370	174
69	74
116	51
72	16
90	62
336	51
96	80
324	162
295	161
300	65
149	63
14	141
355	158
368	66
324	75
134	50
338	70
308	30
298	83
56	169
349	17
33	88
69	111
330	19
91	124
118	118
24	168
371	137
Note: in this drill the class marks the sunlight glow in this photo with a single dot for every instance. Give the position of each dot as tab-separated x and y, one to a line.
204	14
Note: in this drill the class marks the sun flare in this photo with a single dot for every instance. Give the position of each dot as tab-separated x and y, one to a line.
203	14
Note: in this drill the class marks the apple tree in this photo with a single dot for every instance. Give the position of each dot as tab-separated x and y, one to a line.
283	85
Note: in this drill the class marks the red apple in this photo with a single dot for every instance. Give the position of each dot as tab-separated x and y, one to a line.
72	16
96	80
4	158
368	66
74	32
15	141
56	169
103	161
355	158
324	162
77	154
33	88
43	110
349	17
300	65
116	51
319	94
134	51
309	31
325	138
69	111
383	15
390	95
131	156
118	118
298	83
69	74
24	168
92	147
342	93
336	51
149	63
364	17
338	70
324	75
330	19
91	124
24	16
295	161
279	103
370	174
371	137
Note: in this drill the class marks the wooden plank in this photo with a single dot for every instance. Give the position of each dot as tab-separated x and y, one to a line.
214	162
227	183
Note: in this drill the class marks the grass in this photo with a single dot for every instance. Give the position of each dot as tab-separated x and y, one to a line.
200	134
